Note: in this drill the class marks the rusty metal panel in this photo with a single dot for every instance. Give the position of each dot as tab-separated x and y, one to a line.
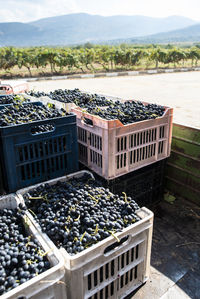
186	133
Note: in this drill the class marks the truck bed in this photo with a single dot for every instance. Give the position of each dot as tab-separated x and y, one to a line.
175	261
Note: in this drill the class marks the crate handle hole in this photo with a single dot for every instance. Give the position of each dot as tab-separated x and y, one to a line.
87	121
41	129
115	246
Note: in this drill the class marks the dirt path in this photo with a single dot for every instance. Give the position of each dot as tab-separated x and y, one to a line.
178	90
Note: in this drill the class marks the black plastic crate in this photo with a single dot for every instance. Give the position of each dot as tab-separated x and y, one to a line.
1	181
145	186
28	158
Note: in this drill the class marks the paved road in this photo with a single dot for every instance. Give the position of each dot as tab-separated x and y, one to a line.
178	90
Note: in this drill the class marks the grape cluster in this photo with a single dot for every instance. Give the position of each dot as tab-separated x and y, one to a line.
127	112
75	96
20	114
21	256
79	213
12	99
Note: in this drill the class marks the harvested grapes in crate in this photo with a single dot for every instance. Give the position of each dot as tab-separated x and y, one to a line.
105	239
37	143
77	214
28	266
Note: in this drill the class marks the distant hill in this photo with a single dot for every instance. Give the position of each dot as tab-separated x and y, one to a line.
15	33
188	34
81	28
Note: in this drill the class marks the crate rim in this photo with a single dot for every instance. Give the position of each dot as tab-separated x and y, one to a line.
120	124
111	98
68	176
149	215
111	238
70	114
117	176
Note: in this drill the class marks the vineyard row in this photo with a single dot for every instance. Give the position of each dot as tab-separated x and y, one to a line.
92	59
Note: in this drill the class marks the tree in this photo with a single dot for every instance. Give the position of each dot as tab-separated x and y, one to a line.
87	58
103	56
158	55
194	55
136	56
8	58
175	56
26	58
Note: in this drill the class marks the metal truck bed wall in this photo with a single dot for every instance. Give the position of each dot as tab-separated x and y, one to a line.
183	167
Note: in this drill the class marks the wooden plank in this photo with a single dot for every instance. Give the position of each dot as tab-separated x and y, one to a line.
183	167
183	176
185	147
186	133
185	162
181	190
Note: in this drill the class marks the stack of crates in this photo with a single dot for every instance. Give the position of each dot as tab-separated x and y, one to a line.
127	158
112	149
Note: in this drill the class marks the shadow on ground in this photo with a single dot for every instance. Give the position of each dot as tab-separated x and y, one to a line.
175	260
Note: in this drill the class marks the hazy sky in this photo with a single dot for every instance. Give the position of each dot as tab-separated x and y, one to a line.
29	10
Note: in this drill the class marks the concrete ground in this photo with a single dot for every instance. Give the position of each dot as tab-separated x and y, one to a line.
178	90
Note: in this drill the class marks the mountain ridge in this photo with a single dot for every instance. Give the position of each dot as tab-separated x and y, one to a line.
186	34
81	28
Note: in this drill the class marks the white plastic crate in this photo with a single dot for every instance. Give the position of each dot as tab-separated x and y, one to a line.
47	285
101	271
112	149
28	97
47	100
66	106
